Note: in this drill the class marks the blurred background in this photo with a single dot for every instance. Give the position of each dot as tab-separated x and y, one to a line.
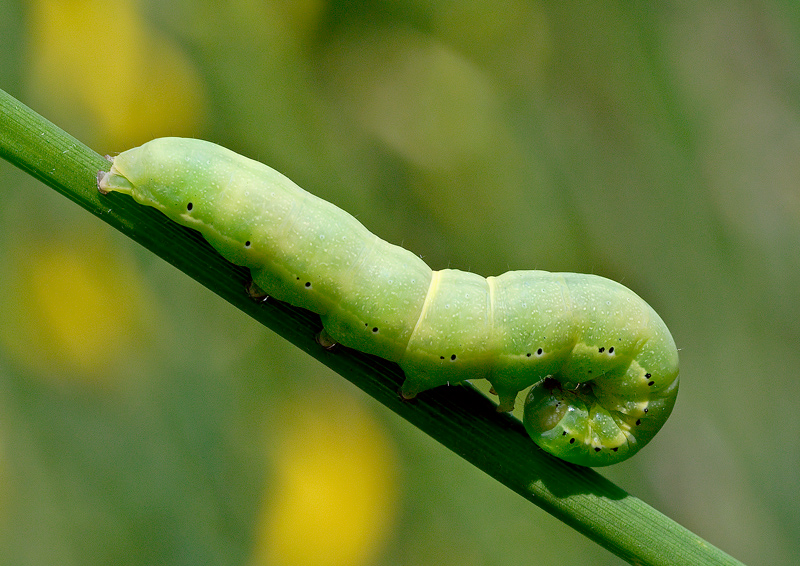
144	421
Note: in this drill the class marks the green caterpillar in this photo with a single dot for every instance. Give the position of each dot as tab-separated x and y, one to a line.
602	363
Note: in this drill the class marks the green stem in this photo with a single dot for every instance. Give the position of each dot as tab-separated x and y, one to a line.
459	417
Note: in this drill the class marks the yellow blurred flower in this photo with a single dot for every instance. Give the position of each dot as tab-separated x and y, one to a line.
101	72
332	499
72	311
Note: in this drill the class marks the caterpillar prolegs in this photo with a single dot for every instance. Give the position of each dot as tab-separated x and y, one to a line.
602	364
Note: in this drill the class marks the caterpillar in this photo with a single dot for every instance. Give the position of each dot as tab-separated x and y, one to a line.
601	365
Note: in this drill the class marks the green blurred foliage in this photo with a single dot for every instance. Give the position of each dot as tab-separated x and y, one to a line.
654	144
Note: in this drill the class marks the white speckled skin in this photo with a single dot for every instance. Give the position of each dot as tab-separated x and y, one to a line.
603	365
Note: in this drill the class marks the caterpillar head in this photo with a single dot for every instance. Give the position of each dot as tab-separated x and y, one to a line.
154	174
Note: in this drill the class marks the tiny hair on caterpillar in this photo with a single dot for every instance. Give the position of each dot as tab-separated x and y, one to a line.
601	365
